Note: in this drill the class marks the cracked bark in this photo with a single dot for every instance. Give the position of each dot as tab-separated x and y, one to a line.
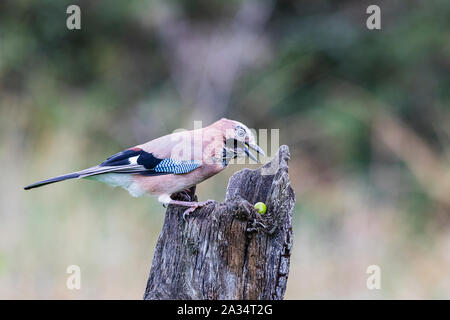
227	250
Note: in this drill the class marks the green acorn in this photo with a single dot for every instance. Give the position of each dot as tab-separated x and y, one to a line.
260	207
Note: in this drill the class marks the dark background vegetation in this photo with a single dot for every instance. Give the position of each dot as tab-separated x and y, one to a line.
365	113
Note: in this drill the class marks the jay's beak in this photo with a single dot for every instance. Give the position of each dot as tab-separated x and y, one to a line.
253	147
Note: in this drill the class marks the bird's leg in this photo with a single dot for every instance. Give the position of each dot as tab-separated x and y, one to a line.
192	206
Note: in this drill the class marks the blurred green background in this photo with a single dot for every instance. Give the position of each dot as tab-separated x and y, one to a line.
365	113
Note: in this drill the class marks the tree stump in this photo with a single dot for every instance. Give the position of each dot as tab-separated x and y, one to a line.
228	250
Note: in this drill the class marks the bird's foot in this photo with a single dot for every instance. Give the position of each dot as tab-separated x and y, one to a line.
182	196
195	206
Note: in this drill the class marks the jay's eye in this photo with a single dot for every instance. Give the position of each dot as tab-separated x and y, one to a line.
240	132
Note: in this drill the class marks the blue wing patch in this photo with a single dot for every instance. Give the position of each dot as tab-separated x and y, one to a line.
151	165
176	166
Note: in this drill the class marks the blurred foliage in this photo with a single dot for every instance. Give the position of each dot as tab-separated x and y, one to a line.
365	113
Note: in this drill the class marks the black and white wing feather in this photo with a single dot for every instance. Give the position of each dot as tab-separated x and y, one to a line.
130	161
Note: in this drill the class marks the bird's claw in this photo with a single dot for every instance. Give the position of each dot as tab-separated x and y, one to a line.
188	211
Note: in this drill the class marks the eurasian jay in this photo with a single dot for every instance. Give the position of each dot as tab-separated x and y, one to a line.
172	163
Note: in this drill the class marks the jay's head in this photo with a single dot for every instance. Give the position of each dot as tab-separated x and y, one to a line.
238	139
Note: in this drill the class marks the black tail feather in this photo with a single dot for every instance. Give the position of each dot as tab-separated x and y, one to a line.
53	180
97	170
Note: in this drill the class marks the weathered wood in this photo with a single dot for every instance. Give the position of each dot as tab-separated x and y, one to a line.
227	250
